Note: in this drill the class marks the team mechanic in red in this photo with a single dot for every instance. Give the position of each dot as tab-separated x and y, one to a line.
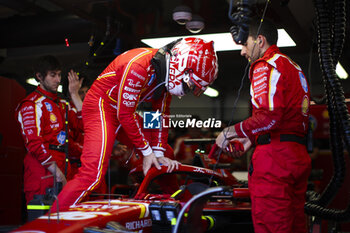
109	109
42	118
280	164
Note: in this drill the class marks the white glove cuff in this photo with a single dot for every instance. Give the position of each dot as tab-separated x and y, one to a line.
158	153
147	151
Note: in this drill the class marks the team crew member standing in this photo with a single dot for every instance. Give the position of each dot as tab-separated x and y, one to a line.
110	104
280	164
42	118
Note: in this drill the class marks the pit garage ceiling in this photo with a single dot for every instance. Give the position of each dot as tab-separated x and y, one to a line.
30	28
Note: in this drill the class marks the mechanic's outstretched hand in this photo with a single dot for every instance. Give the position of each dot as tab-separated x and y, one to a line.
59	175
148	161
225	136
231	144
169	162
237	147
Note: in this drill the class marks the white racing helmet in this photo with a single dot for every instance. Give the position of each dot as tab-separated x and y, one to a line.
192	67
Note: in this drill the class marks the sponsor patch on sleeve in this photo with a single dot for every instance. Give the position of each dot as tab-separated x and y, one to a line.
303	82
305	105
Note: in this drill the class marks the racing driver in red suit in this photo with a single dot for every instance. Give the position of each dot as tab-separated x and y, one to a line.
280	164
109	109
42	118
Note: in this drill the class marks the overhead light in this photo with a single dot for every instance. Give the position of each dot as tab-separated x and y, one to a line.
211	92
33	82
222	41
182	14
342	74
284	40
196	24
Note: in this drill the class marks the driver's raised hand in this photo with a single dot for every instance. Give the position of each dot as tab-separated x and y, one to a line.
73	87
74	82
172	164
148	161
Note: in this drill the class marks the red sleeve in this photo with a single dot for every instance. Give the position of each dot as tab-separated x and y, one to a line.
127	103
75	120
75	149
29	118
75	135
267	100
159	139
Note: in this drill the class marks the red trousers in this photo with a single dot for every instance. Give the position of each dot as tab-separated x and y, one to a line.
36	176
277	186
101	127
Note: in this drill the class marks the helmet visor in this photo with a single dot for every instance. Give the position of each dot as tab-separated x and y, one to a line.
190	85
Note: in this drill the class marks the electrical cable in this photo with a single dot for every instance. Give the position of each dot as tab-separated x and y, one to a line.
240	19
225	132
330	43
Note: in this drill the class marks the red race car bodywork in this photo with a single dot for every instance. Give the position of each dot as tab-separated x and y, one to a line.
157	187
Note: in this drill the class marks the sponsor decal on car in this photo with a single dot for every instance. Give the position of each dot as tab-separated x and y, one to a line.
134	225
76	215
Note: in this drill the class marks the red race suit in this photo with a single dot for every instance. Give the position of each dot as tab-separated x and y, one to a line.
109	112
42	118
279	168
76	142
